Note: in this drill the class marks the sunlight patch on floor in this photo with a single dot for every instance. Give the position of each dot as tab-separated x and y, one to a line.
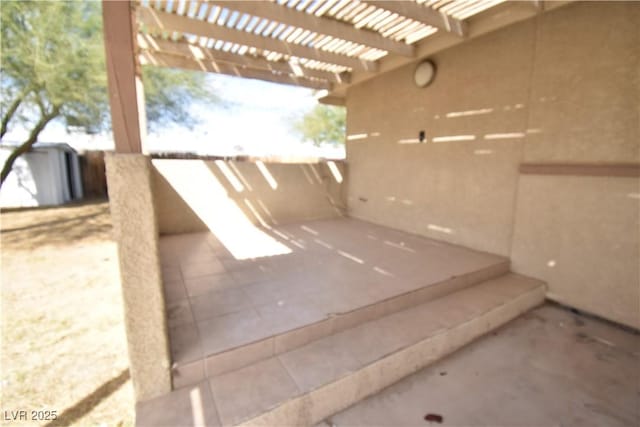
208	199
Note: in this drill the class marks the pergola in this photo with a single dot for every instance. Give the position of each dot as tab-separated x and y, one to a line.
326	45
230	266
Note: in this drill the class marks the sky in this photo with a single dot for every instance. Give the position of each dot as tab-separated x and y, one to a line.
255	118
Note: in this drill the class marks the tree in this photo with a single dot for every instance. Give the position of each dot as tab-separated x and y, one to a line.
323	124
53	68
170	92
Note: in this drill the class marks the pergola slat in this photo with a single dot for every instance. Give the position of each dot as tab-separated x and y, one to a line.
163	59
493	17
171	22
149	42
315	41
320	25
424	14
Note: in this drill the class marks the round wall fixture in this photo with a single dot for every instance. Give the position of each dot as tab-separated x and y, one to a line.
425	73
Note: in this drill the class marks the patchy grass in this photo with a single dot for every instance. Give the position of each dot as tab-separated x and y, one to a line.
63	340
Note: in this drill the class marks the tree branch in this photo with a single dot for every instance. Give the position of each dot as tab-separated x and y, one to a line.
11	111
26	146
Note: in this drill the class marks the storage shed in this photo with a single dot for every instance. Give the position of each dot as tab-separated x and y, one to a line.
48	175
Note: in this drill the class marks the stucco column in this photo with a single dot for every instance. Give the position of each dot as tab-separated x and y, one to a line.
136	233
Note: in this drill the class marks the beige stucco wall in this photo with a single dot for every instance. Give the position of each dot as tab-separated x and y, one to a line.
580	235
562	87
135	230
191	193
462	191
585	87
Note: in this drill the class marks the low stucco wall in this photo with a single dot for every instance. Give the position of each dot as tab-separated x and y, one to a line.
562	87
191	193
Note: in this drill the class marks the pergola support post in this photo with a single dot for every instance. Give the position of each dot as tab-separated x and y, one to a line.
132	209
126	92
136	233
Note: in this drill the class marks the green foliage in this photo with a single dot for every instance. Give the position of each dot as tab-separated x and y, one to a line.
170	92
53	56
324	124
53	67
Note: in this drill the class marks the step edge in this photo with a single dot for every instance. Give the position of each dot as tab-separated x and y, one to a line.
303	404
386	306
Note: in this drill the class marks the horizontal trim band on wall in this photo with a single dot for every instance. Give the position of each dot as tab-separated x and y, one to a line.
582	169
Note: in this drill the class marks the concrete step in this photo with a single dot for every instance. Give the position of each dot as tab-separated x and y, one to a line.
310	383
243	343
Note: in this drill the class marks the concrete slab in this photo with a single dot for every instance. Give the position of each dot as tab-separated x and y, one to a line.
548	367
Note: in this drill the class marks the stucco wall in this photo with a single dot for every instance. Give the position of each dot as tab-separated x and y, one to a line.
190	193
562	87
580	235
459	186
135	230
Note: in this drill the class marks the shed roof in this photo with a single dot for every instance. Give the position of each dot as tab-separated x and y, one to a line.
62	146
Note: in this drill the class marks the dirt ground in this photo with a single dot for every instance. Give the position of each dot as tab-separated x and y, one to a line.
63	339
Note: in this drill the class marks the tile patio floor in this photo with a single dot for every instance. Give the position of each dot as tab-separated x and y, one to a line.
217	302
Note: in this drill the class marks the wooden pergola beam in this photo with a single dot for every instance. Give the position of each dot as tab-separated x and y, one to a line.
171	22
332	100
196	52
496	17
163	59
126	93
423	14
320	25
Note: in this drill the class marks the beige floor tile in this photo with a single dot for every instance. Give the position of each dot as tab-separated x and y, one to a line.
210	283
196	256
233	264
185	343
359	316
171	274
252	274
168	259
413	324
225	332
189	406
272	290
295	338
318	363
199	269
174	290
219	303
371	341
188	374
247	392
179	313
239	357
336	300
291	313
289	264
